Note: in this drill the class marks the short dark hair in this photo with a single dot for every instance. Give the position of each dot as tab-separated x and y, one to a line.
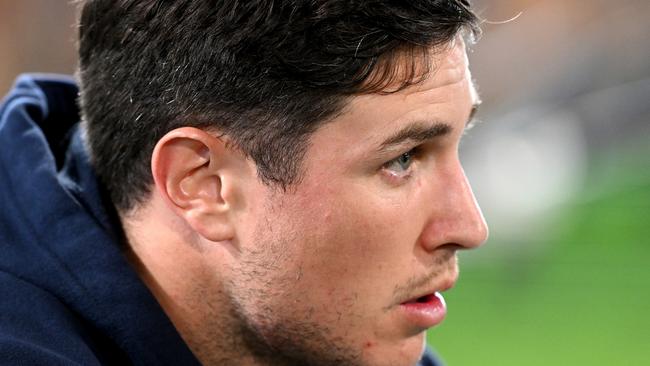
265	73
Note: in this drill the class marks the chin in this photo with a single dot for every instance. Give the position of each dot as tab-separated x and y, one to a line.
405	353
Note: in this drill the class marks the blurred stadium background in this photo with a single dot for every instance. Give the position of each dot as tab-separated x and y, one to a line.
560	165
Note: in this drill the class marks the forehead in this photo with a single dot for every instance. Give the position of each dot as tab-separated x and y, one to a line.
446	94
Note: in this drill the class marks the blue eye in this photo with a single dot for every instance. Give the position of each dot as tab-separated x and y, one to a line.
402	163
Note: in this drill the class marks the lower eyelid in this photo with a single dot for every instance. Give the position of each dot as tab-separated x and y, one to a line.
396	178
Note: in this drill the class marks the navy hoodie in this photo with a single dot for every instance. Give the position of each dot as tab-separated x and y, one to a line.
67	294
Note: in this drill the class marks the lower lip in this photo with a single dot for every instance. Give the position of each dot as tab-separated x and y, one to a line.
428	312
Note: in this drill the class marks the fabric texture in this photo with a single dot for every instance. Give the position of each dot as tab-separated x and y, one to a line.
67	294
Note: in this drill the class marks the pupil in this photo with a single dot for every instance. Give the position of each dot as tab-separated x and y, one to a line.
405	158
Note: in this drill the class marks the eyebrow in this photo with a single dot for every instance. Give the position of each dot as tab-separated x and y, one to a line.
422	131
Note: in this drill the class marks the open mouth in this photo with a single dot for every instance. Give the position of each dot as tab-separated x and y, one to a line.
425	311
425	298
422	299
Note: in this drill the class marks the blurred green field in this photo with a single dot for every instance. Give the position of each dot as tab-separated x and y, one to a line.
581	300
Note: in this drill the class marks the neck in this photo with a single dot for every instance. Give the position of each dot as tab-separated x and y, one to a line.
172	264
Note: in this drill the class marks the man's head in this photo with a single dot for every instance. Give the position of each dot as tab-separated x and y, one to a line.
287	172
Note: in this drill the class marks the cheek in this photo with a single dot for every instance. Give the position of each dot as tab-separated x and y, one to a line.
351	245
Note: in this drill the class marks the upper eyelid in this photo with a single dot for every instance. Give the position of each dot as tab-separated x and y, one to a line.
405	146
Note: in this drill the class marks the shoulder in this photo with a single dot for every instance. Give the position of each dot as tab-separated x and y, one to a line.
37	328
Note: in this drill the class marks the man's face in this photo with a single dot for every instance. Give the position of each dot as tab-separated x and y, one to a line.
330	272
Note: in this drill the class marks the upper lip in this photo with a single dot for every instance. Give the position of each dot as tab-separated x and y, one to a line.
441	286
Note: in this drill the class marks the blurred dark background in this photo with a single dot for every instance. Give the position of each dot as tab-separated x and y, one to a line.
560	165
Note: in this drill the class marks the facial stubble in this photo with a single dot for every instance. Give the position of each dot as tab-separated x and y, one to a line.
270	334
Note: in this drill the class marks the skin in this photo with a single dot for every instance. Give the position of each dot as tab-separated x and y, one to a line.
252	275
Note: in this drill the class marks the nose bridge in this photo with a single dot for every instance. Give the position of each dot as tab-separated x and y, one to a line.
456	217
472	227
468	226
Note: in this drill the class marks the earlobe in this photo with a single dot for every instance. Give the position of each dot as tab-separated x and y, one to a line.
189	167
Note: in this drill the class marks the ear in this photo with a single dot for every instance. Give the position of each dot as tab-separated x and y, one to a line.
195	173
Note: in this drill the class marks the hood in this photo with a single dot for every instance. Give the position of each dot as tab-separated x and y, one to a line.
57	230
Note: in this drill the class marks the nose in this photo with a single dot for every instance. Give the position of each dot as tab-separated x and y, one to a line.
455	216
